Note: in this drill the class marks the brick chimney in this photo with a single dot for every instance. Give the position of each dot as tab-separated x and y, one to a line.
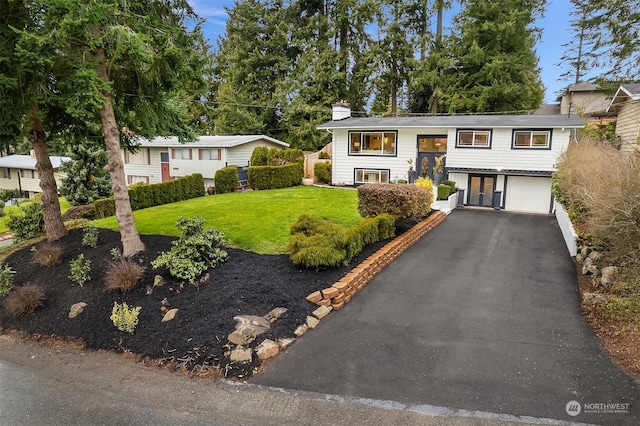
341	110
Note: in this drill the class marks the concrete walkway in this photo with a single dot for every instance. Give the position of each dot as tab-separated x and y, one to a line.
483	313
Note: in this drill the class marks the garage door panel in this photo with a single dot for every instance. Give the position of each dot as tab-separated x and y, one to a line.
528	194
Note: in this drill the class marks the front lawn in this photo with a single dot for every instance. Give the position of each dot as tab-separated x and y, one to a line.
15	210
257	221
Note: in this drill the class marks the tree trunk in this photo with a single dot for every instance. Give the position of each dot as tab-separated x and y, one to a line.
131	242
53	224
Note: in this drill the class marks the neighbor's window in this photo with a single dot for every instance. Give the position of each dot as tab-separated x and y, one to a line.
5	173
27	173
137	179
209	154
371	176
142	157
181	154
474	138
372	143
531	138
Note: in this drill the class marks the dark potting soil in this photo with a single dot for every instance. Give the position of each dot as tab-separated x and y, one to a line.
245	284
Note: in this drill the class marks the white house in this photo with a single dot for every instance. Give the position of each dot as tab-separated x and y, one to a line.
511	156
626	103
19	172
163	159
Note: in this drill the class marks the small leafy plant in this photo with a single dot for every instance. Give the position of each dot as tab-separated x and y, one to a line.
115	253
29	224
90	237
6	279
197	250
80	270
125	318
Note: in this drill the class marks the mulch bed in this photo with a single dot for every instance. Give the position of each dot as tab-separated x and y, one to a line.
246	283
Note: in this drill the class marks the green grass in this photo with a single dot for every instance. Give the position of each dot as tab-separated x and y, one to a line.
258	221
15	210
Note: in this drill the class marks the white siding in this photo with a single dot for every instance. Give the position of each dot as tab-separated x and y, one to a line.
207	168
628	125
501	156
10	183
152	171
528	194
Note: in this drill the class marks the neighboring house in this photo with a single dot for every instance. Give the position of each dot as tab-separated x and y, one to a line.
19	172
510	154
626	104
589	101
163	159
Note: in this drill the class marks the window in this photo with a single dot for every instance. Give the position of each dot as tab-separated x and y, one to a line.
432	143
371	176
164	157
27	173
5	173
181	154
143	156
210	154
531	139
372	143
137	179
473	139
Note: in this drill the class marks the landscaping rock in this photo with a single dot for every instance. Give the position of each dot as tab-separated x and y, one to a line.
312	322
170	315
241	355
595	255
301	330
275	314
77	309
322	311
584	251
607	275
314	297
599	298
158	281
259	324
267	349
242	336
284	342
589	268
587	297
579	257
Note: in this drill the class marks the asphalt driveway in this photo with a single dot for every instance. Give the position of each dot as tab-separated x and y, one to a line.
483	313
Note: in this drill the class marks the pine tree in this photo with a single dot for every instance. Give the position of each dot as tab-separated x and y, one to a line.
580	55
86	178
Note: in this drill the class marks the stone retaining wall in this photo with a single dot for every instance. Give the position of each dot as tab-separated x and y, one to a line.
341	292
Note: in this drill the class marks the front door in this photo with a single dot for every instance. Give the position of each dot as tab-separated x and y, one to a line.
481	189
164	165
429	147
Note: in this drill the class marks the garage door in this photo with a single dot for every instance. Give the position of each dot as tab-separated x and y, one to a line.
528	194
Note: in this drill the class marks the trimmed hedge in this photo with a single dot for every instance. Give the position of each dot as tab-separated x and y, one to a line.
400	201
316	243
259	156
323	172
226	179
274	177
443	191
144	195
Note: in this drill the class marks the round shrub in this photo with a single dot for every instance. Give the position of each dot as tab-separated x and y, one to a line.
260	156
123	275
323	172
24	300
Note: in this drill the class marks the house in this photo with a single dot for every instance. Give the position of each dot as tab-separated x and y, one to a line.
510	157
589	101
626	104
19	172
163	159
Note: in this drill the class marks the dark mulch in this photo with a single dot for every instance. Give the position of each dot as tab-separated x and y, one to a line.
247	283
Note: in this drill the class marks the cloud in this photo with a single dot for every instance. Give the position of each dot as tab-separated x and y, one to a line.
209	9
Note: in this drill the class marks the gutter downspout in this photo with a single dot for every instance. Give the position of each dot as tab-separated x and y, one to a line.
333	154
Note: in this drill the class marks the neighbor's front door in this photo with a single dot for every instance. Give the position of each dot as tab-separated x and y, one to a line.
481	189
164	166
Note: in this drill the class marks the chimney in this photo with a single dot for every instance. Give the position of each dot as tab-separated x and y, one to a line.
32	153
341	110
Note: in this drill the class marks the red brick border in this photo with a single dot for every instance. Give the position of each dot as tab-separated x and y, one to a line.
359	276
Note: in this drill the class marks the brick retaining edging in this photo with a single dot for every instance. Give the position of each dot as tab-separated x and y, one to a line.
342	291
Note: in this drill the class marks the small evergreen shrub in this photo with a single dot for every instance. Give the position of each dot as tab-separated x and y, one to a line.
323	172
90	237
323	155
425	182
260	156
24	300
6	279
80	270
48	254
197	250
386	226
226	180
400	201
86	177
316	243
280	157
443	191
105	207
85	211
29	224
123	275
125	318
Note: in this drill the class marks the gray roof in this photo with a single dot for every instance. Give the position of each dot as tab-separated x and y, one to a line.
625	93
548	109
633	89
459	121
583	87
209	141
28	162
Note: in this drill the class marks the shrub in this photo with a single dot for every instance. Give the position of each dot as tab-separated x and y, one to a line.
125	318
105	207
90	237
7	194
115	253
86	211
24	300
48	254
123	275
425	182
280	157
400	201
6	279
29	224
260	156
86	177
316	243
323	172
386	226
274	177
452	186
323	155
2	213
80	271
443	191
197	250
226	180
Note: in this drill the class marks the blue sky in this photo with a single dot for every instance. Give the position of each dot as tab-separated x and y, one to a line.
555	26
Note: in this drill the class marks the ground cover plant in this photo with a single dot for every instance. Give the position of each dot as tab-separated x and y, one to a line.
258	221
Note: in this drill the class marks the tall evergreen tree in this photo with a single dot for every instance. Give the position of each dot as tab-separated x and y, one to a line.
580	54
86	179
